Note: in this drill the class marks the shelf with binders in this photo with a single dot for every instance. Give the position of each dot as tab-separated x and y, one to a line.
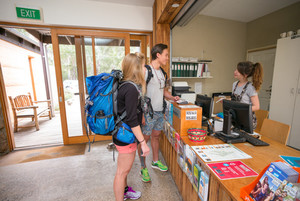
207	77
191	69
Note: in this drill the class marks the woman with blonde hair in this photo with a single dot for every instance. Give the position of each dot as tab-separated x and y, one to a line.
131	89
244	91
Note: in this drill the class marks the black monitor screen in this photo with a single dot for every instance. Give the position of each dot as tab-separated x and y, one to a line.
221	94
241	115
206	104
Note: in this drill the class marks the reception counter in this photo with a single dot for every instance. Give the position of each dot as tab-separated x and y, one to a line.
223	190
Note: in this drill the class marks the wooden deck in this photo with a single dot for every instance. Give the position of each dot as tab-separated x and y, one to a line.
49	133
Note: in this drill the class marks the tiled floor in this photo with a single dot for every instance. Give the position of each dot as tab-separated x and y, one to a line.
80	177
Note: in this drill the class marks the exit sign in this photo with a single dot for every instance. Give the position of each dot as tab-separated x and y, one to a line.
28	13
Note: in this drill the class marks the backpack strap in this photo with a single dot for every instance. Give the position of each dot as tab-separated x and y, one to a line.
165	75
119	119
150	74
123	115
137	88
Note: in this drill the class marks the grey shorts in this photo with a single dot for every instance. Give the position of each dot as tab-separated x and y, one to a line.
157	123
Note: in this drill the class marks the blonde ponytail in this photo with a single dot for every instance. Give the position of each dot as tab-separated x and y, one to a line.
133	69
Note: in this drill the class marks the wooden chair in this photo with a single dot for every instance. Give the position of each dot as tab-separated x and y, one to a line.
24	107
261	115
275	130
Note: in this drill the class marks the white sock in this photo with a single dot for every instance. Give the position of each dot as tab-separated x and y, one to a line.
154	161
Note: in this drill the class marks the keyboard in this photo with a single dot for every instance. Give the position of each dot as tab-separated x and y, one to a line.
230	140
252	140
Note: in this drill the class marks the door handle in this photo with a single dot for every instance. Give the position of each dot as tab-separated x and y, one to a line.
292	91
299	91
59	91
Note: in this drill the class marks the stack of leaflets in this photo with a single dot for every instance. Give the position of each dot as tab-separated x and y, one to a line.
203	186
190	158
181	155
172	136
177	141
196	176
289	191
286	170
169	112
166	128
277	174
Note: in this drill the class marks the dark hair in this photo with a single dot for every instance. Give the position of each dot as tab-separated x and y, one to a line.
158	48
247	68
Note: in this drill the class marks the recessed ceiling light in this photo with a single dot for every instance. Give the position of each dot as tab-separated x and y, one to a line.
175	5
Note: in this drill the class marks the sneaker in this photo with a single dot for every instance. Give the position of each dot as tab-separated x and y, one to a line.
145	175
131	194
160	166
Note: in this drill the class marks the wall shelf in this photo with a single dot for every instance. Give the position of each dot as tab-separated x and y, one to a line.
193	62
209	77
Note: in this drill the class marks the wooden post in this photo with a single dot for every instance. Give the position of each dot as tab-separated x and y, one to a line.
6	114
32	78
94	55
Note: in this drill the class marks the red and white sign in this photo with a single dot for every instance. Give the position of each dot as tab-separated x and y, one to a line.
231	170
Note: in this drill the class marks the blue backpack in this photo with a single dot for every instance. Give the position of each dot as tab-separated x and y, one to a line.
99	108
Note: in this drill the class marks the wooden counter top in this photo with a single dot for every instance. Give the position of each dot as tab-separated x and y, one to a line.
261	157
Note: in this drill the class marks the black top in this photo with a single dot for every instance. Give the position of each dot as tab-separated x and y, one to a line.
128	99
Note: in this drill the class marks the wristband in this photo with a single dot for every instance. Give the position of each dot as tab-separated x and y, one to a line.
142	141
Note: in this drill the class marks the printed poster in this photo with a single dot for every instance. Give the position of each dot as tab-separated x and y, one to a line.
293	161
220	152
231	170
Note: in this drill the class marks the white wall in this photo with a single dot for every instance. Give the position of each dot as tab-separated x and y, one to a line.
86	13
224	42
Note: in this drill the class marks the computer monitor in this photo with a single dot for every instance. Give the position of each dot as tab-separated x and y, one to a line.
206	104
237	114
221	94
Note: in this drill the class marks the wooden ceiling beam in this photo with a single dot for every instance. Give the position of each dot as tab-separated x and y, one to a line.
169	12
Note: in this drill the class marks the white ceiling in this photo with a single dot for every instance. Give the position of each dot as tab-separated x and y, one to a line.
145	3
244	10
238	10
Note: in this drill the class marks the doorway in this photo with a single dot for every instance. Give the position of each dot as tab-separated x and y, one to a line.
70	56
90	53
266	57
26	73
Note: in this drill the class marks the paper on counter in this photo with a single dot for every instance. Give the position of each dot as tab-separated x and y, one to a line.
198	87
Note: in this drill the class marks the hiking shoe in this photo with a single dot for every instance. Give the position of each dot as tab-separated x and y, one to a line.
160	166
131	194
145	175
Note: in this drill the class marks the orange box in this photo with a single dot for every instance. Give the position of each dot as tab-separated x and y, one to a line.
185	117
245	191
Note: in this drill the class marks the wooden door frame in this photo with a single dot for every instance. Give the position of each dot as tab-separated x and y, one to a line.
57	61
146	40
6	114
142	39
260	49
3	95
80	75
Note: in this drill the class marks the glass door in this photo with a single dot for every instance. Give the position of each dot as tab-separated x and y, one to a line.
78	54
141	43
